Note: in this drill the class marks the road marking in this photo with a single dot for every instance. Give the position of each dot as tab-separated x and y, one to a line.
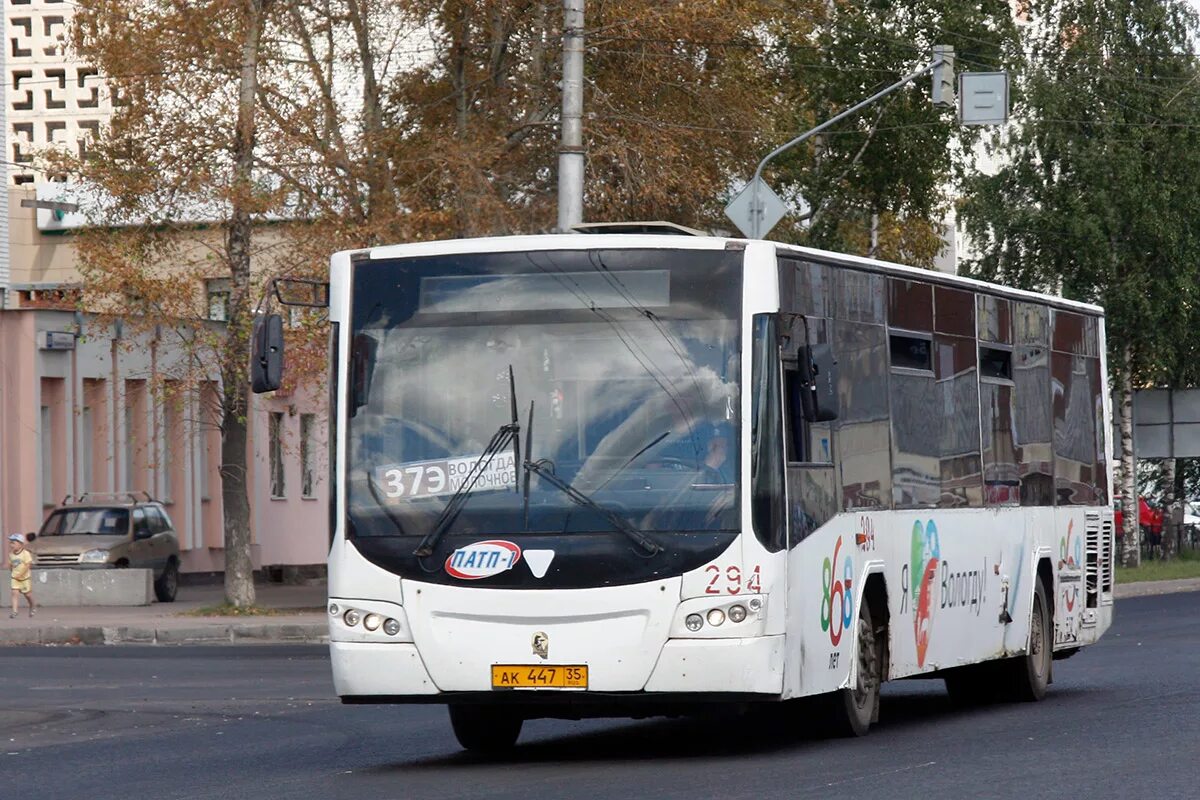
874	775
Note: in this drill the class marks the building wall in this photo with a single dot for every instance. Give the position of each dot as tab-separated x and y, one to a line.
51	100
291	528
111	414
108	416
35	258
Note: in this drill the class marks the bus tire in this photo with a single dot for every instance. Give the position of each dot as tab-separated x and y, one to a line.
1029	675
485	729
854	709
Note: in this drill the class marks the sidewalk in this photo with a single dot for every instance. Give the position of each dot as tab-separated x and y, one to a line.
1146	588
302	619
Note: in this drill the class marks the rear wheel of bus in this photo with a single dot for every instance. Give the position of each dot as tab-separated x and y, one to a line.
1024	677
1029	675
485	729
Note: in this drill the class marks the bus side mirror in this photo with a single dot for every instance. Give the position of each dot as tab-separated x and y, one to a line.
266	360
818	371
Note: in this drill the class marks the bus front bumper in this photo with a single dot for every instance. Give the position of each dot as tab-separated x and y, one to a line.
725	668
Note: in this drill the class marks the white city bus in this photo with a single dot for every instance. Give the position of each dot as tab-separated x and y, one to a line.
627	475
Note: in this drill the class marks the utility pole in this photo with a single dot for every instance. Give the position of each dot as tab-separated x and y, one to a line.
570	149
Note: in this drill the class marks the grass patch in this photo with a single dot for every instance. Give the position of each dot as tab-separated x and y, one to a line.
1185	565
226	610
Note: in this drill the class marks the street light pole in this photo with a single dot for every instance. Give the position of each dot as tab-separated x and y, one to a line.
756	205
570	150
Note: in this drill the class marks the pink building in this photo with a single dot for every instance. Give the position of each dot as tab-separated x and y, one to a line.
86	406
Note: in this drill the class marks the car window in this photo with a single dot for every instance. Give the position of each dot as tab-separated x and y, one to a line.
159	521
141	527
165	519
52	525
97	521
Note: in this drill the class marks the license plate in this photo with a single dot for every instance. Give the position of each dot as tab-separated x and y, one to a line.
525	676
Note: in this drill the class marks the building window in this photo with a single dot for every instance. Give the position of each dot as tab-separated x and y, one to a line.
275	445
130	446
208	438
307	450
87	439
217	292
47	457
171	431
202	460
139	438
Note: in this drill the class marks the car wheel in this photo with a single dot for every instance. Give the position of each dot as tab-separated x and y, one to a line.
167	584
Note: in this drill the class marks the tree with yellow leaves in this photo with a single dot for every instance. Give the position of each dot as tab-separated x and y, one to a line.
268	133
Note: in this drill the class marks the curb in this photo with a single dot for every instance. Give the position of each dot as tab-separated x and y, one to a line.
1149	588
292	633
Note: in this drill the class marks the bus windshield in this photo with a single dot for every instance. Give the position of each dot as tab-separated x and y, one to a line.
625	364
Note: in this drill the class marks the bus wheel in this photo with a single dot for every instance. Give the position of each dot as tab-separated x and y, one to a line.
1030	674
485	729
854	709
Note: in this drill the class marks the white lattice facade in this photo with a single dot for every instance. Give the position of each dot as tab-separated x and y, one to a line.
50	99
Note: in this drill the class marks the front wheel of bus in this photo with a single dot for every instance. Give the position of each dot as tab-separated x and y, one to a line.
1030	673
854	709
485	729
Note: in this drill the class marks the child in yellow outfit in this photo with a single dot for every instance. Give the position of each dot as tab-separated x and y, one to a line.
20	561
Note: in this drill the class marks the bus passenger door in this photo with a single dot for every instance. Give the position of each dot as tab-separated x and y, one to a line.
807	398
808	381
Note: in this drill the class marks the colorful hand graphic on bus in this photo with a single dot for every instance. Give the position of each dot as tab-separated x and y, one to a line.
926	554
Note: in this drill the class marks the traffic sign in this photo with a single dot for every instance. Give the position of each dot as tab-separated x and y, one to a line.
983	98
768	207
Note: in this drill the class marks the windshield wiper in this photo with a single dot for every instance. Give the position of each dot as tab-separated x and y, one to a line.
580	499
633	458
508	433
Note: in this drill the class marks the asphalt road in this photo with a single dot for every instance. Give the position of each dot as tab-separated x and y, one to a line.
260	722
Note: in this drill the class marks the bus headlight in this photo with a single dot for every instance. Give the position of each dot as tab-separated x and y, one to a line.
391	627
372	622
351	617
715	617
694	622
333	609
737	613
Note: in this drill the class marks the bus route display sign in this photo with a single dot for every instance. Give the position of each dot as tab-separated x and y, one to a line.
444	476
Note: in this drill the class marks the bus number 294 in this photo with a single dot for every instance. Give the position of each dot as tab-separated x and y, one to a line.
732	583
